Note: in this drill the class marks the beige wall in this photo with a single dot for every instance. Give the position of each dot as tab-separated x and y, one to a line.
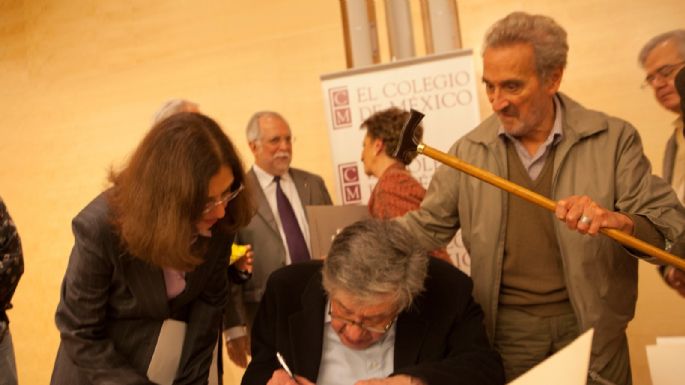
80	80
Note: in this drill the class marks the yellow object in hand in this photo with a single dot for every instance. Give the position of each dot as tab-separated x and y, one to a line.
237	252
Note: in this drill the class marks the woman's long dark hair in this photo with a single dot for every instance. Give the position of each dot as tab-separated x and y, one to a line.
158	198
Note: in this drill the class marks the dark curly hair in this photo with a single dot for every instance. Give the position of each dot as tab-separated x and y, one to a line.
387	126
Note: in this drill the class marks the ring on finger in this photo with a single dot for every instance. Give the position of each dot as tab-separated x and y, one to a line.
585	220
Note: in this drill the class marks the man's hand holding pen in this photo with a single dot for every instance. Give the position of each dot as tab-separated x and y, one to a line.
277	378
281	377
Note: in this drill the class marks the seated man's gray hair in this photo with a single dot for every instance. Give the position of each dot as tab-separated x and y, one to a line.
372	259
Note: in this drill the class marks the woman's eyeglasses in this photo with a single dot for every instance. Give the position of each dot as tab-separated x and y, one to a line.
224	199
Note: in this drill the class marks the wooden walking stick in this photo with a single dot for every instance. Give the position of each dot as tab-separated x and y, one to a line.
408	144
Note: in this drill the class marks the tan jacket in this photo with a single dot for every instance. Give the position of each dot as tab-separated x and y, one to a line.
599	156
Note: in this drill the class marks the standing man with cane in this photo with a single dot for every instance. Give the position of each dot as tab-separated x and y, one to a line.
541	282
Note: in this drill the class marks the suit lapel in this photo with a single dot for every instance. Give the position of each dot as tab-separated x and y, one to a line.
147	285
306	330
302	185
263	207
411	330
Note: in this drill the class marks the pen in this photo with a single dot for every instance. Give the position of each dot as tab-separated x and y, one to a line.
285	366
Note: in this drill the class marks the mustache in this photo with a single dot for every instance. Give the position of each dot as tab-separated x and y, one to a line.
508	111
282	154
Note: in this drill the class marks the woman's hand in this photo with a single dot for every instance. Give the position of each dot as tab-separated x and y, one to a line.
244	263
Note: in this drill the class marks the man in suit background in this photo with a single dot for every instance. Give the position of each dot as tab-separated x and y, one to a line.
278	236
661	58
378	311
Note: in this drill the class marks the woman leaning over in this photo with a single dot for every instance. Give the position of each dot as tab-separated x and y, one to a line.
153	247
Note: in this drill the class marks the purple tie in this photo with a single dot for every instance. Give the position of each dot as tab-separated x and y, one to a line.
293	234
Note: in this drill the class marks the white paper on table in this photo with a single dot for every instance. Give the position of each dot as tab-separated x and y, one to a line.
666	363
167	355
672	340
566	367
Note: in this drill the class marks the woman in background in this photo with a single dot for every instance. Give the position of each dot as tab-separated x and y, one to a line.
153	247
397	192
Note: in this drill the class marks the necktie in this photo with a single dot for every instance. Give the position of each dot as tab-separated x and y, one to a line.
293	234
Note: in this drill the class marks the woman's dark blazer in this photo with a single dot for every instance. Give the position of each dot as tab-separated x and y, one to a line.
112	306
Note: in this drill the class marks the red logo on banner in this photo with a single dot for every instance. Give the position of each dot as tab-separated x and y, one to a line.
340	107
349	177
349	173
353	194
340	97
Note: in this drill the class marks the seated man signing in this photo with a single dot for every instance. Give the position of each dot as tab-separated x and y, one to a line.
377	310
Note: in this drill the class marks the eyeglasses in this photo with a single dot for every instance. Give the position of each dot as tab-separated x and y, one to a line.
276	140
224	199
665	72
379	328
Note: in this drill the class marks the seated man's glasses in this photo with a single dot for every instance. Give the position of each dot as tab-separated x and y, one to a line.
223	199
377	327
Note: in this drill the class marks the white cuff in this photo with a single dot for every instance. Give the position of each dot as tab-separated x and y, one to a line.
235	332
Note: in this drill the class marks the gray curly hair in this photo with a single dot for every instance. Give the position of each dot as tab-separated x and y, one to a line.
253	131
678	37
372	259
546	36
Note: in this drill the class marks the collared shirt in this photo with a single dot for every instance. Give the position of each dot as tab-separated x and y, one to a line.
534	163
175	280
341	365
678	181
266	181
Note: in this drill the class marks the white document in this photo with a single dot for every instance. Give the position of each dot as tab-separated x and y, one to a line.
671	340
566	367
167	354
666	361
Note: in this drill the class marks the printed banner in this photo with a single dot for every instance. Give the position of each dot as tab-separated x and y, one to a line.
443	87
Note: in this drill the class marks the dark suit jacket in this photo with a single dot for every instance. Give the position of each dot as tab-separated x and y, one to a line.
269	250
112	306
441	339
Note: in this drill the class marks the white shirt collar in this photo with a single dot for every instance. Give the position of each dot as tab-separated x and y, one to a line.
266	178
